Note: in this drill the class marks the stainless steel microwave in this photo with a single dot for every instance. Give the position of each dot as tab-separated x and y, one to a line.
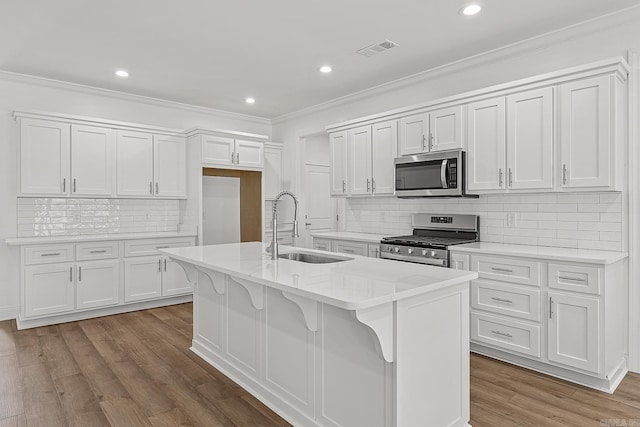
439	174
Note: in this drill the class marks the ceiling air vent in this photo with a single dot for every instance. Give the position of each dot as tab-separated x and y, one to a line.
377	48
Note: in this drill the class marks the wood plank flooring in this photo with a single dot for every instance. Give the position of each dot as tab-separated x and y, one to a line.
136	369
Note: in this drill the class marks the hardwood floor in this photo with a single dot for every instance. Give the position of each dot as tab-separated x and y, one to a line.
136	369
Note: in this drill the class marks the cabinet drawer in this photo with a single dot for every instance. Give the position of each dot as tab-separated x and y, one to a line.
350	248
374	250
151	246
48	254
96	250
524	272
322	244
284	238
514	301
575	278
507	334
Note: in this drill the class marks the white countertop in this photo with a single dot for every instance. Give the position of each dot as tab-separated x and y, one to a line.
358	283
348	235
542	252
16	241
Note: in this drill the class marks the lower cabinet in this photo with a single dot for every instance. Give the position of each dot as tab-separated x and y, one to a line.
48	289
97	284
564	319
348	247
142	278
351	248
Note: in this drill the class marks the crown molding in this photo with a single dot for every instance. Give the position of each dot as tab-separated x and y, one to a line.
224	133
540	42
92	90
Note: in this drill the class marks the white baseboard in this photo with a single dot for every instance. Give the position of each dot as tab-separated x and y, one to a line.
8	313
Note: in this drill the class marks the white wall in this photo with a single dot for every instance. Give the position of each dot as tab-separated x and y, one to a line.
38	94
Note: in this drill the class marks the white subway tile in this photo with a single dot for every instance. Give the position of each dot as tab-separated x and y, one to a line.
599	245
540	216
600	226
562	243
610	197
611	236
600	207
519	240
569	207
578	235
611	217
578	217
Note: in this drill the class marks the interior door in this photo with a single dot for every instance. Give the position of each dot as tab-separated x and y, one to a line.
321	210
91	160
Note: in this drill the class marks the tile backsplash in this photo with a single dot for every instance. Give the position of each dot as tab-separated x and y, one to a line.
58	216
584	221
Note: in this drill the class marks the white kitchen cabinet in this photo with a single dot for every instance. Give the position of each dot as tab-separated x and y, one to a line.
530	140
134	160
49	289
44	157
574	331
413	134
273	171
91	161
142	278
350	247
169	166
585	133
97	284
446	129
486	139
339	148
174	279
384	149
236	153
373	250
322	244
249	154
359	165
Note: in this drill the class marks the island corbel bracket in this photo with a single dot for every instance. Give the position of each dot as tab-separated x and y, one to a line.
255	291
380	320
189	270
308	307
215	278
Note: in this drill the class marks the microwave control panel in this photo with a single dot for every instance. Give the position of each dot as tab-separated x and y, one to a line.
452	179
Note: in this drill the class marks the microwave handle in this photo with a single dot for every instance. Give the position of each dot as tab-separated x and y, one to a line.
443	173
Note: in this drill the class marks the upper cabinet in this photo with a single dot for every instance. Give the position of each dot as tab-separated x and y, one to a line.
339	157
384	148
272	173
436	130
486	145
231	153
71	156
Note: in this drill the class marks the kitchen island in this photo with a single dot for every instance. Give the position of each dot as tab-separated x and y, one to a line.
357	342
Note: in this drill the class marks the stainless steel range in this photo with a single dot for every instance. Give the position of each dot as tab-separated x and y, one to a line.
431	238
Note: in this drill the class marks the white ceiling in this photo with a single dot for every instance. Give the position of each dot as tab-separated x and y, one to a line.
214	53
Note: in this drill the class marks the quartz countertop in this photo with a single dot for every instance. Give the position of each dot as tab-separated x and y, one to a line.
358	283
541	252
16	241
348	235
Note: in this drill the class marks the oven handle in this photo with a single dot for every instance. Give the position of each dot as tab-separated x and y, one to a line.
443	173
418	260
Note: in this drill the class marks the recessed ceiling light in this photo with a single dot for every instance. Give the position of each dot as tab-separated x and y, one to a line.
250	100
122	73
325	69
470	9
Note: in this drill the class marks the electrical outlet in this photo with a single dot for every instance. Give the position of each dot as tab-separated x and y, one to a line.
512	220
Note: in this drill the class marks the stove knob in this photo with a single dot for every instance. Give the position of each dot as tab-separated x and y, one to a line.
424	252
396	250
410	251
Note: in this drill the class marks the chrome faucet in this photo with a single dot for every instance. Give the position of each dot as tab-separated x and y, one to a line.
273	248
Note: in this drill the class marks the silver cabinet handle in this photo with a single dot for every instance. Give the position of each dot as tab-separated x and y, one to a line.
564	174
550	307
510	178
71	274
431	140
506	301
160	265
64	185
502	270
368	185
348	251
344	186
237	158
102	251
79	274
424	141
502	334
51	254
165	265
500	177
233	155
150	187
373	185
307	223
162	247
572	279
156	187
74	185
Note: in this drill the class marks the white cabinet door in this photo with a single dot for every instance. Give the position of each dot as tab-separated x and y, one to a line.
339	156
169	166
413	134
373	250
585	133
384	148
272	173
322	244
98	284
142	278
459	261
351	248
486	145
530	140
134	163
574	333
360	160
44	157
249	154
445	129
217	150
49	289
91	161
174	279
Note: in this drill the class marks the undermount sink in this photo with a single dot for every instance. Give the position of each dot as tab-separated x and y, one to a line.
312	258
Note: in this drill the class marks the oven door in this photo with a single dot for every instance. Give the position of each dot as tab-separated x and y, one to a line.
430	175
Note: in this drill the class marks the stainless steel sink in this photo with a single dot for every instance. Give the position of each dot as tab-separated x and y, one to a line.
312	258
